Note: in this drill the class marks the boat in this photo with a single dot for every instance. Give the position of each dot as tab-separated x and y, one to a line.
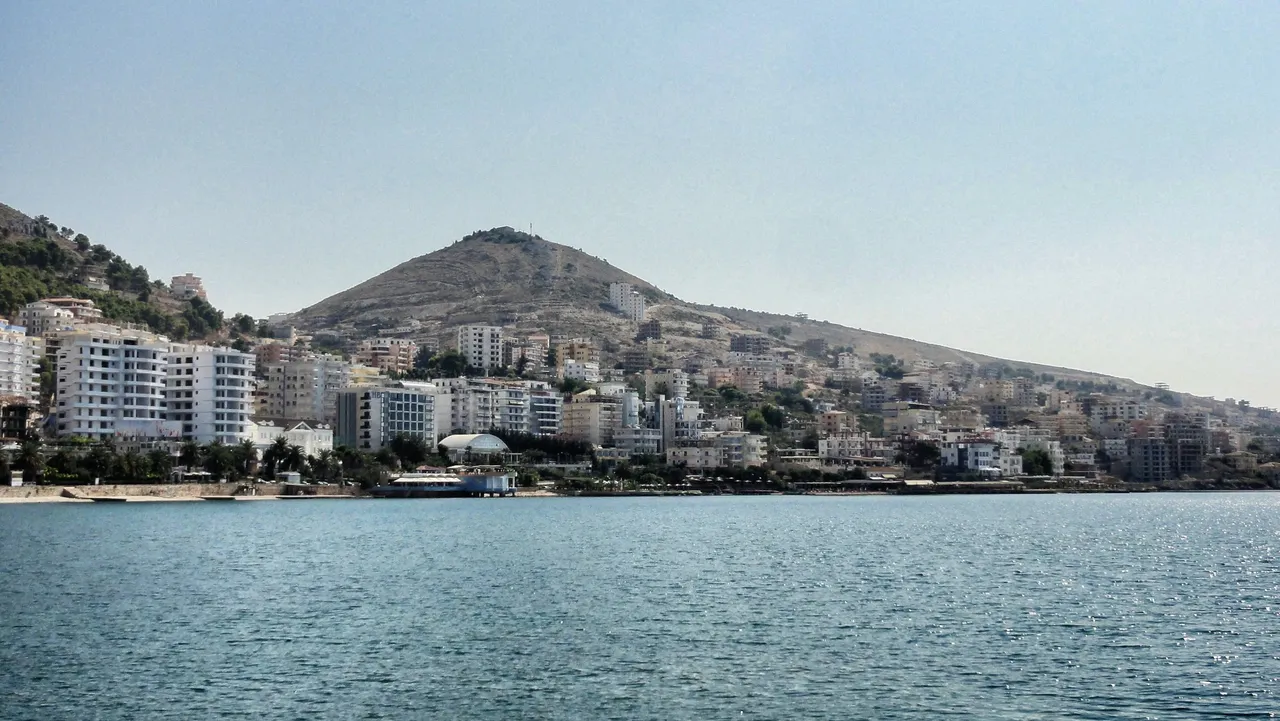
453	482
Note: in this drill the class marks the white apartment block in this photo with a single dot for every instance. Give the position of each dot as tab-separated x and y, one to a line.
41	318
583	372
679	420
20	356
627	300
303	389
210	392
481	345
1034	440
1125	410
675	381
392	355
111	381
720	450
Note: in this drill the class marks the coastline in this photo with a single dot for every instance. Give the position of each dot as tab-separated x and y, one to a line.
221	493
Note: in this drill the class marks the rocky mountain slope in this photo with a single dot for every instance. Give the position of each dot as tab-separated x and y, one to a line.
525	283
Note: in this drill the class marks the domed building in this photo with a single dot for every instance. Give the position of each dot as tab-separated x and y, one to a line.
474	447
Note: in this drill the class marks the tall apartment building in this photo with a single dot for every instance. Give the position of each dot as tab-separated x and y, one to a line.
111	381
304	389
19	363
370	418
627	300
392	355
481	345
209	390
546	410
678	420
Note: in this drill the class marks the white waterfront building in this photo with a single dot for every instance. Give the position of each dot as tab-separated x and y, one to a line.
210	392
19	362
110	381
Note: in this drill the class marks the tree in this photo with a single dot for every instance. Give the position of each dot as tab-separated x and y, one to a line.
218	459
274	456
920	454
245	456
295	458
99	461
31	458
754	421
1036	462
131	466
160	463
82	242
6	473
411	451
190	455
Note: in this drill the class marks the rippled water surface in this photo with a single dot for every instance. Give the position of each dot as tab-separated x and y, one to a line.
1060	607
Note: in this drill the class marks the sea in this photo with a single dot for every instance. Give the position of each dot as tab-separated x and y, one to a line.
1142	606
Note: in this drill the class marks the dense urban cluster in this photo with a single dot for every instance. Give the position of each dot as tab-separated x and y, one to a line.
760	407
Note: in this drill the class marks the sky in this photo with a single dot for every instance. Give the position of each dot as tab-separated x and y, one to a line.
1088	184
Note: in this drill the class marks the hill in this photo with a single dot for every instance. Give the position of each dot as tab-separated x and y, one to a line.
39	259
525	283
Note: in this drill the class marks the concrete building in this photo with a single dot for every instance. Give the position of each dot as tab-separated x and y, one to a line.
581	372
831	423
901	417
733	449
593	418
40	318
638	441
481	345
546	410
679	421
209	390
303	389
1035	439
188	286
750	343
111	380
20	356
974	455
391	355
649	330
1149	460
579	350
672	383
628	301
370	418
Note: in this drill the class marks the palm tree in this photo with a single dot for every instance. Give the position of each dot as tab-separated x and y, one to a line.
246	457
190	454
274	457
161	463
132	466
218	459
329	463
294	457
31	459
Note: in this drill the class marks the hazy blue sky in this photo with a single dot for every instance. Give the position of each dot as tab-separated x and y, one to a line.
1088	184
